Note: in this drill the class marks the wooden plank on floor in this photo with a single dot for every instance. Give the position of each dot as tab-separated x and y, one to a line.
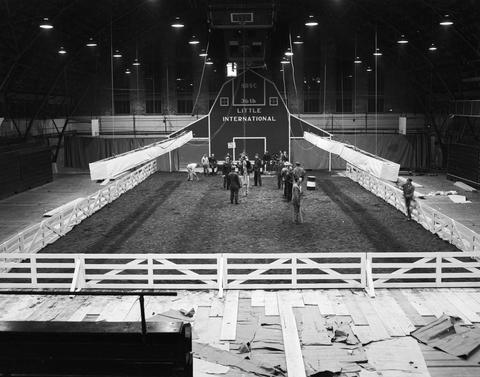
440	303
271	303
353	309
379	332
407	308
392	314
258	298
294	298
336	298
469	300
362	332
229	322
311	326
217	307
324	304
397	357
463	306
309	297
419	303
19	308
118	309
291	342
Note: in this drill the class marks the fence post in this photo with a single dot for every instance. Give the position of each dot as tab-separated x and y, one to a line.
78	280
150	270
33	270
294	272
220	274
368	272
438	270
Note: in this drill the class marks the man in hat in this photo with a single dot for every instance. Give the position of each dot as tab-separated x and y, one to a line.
408	194
226	169
234	185
257	170
299	173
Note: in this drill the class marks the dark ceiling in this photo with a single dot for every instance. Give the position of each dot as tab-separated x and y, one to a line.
31	66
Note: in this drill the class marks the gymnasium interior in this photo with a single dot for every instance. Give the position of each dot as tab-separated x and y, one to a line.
123	125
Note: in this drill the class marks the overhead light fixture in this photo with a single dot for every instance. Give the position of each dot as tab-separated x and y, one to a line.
298	40
117	54
317	80
203	53
349	76
127	71
432	47
178	79
62	51
208	61
284	61
357	60
369	69
377	52
194	41
311	21
91	43
402	40
46	24
136	62
177	24
446	21
288	52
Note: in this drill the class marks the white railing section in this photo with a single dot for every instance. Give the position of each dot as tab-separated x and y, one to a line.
36	237
239	271
436	222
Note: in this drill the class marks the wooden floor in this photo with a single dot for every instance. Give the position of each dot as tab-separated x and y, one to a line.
287	330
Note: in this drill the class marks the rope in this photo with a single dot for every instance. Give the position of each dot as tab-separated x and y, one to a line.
201	77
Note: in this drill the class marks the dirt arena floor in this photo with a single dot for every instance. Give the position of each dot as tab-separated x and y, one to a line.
167	214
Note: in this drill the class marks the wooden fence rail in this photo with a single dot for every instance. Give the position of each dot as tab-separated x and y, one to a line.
436	222
239	271
36	237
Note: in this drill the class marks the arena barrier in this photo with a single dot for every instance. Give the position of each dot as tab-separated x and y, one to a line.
36	237
239	271
436	222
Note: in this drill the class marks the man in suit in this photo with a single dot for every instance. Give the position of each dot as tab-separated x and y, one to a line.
234	185
226	169
257	170
408	194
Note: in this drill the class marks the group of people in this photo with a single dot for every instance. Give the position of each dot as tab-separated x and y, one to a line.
236	174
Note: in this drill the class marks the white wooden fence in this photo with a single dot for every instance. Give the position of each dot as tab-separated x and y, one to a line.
239	271
438	223
36	237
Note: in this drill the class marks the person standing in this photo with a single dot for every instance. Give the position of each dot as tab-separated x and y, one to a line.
299	173
246	167
205	164
226	169
257	170
266	160
234	185
408	194
191	171
288	182
279	167
213	164
296	199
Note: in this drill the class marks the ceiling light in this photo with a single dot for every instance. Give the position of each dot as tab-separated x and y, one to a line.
349	76
317	80
127	71
177	24
178	79
203	53
136	62
311	21
208	61
402	40
284	61
432	47
289	52
298	40
357	60
194	41
377	52
91	43
46	24
447	21
62	51
369	69
117	54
